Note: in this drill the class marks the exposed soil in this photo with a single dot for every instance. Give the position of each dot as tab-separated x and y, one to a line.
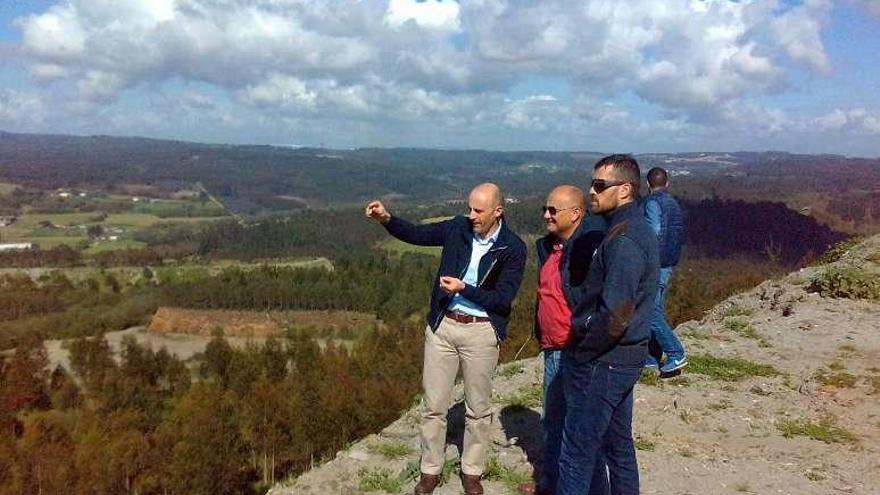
253	323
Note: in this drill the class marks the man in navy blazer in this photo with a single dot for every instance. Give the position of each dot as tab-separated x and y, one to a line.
481	268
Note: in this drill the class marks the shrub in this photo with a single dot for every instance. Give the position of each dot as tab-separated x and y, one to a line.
846	282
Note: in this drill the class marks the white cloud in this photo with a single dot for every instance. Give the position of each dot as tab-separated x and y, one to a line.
853	120
441	15
695	64
798	31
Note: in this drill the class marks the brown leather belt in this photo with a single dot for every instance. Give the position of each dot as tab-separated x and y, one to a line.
463	318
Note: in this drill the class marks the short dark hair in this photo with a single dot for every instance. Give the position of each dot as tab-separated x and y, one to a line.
625	168
657	177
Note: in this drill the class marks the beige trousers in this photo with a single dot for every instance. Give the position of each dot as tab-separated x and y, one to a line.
473	347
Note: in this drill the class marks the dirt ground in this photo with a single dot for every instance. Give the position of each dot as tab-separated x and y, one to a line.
811	429
254	323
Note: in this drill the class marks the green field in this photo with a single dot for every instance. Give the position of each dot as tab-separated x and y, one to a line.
102	246
393	245
70	228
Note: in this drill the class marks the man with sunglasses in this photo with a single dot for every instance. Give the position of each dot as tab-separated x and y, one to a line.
611	327
481	268
563	259
665	218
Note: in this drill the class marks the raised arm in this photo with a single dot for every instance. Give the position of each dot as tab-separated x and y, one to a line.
431	234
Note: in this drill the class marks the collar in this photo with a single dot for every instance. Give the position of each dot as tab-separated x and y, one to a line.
623	213
491	239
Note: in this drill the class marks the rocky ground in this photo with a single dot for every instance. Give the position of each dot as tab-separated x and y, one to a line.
780	397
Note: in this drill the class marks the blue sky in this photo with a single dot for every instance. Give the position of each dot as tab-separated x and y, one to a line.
635	76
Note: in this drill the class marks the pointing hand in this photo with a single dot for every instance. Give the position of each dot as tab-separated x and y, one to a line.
376	210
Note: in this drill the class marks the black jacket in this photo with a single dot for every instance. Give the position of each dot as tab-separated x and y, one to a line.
576	256
612	323
499	275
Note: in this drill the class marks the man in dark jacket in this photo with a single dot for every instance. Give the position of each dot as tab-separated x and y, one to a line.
481	268
611	326
563	259
666	220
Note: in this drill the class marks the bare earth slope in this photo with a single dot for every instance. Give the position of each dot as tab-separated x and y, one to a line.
811	425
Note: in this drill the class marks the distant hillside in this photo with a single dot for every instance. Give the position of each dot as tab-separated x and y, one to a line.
779	397
251	179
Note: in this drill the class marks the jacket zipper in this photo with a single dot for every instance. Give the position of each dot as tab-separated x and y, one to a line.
491	266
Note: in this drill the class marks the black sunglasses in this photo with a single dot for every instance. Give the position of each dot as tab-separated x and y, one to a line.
600	185
554	210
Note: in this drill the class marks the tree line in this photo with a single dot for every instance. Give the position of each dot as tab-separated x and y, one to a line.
146	423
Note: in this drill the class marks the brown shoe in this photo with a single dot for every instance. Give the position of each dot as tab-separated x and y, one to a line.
532	489
471	484
426	484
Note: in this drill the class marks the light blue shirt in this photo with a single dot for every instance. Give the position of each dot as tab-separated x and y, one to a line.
479	247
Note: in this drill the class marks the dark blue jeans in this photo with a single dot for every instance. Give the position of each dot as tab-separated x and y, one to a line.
598	424
663	338
553	421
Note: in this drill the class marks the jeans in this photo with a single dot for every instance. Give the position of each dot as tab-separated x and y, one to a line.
598	424
663	338
553	418
553	421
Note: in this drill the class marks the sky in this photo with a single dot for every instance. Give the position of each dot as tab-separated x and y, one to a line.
601	75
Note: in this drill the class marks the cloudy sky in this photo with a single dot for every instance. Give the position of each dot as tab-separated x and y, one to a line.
606	75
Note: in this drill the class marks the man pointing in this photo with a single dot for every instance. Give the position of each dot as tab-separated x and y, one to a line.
481	268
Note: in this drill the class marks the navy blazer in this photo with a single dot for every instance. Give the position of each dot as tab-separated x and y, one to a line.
498	278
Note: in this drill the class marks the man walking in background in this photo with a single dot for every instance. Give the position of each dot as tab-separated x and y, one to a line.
481	268
563	259
666	220
611	327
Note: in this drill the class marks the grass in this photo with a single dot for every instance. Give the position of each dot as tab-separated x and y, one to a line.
527	397
736	311
728	369
511	477
846	282
837	251
644	444
510	370
835	378
379	479
451	468
743	327
103	246
396	246
650	378
825	430
391	449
